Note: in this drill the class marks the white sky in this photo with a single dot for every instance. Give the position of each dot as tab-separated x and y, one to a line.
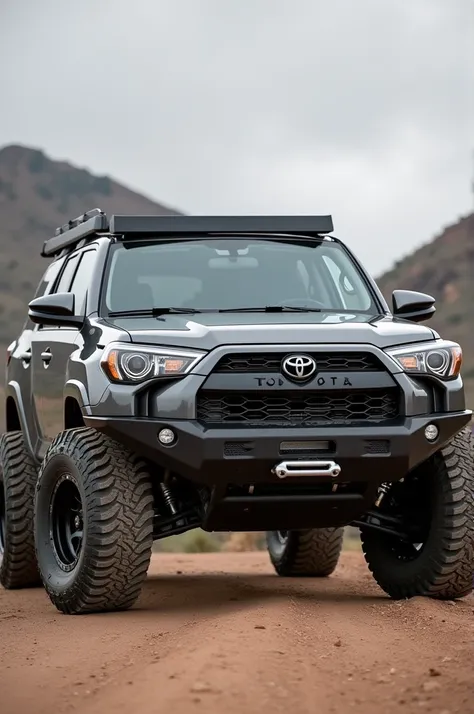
360	109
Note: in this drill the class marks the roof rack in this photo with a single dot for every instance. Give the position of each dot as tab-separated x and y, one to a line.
69	234
95	222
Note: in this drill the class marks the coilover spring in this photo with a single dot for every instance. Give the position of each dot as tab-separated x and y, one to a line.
383	490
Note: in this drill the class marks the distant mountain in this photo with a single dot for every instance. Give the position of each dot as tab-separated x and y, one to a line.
444	268
37	195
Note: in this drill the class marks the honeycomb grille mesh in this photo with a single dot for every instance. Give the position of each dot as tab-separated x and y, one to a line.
297	408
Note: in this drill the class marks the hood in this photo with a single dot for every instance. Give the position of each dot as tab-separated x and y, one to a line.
209	330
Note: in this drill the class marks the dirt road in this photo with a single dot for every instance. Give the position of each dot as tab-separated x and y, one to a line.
220	633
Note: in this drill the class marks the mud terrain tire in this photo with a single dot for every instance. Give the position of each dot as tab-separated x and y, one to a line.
18	474
444	567
307	553
93	523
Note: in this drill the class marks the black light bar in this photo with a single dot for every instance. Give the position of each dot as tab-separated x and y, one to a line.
207	225
94	222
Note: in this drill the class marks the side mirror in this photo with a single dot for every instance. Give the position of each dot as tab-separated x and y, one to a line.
56	309
413	306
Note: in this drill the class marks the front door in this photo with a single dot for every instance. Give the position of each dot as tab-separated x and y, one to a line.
52	348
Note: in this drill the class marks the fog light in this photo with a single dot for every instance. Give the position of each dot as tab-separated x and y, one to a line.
166	437
431	432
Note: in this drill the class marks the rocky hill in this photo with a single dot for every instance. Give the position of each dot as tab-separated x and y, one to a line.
37	195
444	268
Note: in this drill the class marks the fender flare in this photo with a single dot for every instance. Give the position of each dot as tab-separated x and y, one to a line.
13	391
75	389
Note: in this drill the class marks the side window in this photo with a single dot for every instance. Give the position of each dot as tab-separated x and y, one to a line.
64	282
82	279
48	278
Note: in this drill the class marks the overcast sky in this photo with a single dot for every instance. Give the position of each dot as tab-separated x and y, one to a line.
363	109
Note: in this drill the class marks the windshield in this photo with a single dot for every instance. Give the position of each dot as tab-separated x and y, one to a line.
233	273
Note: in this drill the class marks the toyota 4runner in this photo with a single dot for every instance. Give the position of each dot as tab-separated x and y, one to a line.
233	374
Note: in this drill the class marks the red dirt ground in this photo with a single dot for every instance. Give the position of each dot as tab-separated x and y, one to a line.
221	633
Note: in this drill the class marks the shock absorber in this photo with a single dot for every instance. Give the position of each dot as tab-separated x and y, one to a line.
167	495
383	490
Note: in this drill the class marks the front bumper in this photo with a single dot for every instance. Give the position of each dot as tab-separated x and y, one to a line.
211	457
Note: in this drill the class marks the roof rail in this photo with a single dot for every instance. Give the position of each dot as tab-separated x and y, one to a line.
69	234
188	225
94	222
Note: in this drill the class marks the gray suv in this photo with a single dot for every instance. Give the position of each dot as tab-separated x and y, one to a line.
233	374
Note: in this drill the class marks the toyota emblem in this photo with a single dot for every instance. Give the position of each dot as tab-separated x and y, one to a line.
299	367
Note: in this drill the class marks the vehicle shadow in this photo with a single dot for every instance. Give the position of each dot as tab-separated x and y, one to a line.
207	592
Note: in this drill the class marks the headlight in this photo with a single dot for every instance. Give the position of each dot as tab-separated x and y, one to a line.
128	363
441	359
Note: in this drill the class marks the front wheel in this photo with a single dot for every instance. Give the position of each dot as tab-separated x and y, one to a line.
311	553
436	503
93	523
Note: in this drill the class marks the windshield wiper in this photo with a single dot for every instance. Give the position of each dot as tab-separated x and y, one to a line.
273	308
154	312
295	308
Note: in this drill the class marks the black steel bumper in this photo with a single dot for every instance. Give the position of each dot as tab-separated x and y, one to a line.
238	466
247	456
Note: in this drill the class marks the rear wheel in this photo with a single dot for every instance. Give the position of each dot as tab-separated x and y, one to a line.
436	505
93	523
18	476
311	553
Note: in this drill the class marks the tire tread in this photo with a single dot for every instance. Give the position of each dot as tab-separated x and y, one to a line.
119	504
309	553
18	568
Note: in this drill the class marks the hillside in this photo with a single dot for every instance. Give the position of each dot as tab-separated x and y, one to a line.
37	195
444	268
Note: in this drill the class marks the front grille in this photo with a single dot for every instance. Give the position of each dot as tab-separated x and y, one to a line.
260	409
326	361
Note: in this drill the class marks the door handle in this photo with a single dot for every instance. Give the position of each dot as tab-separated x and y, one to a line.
46	356
25	356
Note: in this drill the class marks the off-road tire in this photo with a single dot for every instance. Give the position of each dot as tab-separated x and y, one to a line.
445	567
117	501
18	474
307	553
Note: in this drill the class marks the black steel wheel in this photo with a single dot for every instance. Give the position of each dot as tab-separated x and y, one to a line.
66	522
